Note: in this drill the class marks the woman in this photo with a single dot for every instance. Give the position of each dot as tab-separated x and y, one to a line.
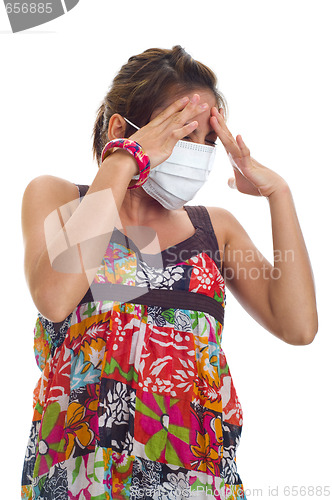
136	398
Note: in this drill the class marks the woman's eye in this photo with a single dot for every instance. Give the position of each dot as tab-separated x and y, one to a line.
209	143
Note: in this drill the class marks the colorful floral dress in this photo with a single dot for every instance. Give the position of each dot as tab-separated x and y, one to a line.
136	399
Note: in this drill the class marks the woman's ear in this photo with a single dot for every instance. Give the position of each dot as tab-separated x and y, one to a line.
116	127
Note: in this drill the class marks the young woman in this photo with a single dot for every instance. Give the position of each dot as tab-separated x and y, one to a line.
136	398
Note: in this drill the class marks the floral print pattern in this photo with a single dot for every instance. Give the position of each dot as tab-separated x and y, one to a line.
164	429
136	401
166	278
116	416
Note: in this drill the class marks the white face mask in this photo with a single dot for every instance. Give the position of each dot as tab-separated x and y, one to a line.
177	180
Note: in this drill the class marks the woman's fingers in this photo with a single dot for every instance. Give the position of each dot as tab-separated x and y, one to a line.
219	126
231	159
244	149
187	129
179	113
232	182
183	121
192	109
238	152
160	135
178	120
175	107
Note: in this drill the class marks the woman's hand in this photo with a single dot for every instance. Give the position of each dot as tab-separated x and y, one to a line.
250	176
160	135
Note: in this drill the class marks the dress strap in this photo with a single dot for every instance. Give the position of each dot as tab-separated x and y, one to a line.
82	189
200	219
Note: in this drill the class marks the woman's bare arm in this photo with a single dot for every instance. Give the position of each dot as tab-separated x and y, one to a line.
292	294
80	246
280	297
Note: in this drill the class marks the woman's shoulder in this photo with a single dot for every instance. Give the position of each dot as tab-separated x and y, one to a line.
50	185
219	212
43	195
223	222
226	225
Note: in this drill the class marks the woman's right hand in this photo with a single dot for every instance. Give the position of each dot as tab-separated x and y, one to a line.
160	135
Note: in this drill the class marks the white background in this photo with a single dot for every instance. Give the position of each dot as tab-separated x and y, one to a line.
273	61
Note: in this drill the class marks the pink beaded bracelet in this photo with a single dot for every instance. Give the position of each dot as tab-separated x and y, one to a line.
136	150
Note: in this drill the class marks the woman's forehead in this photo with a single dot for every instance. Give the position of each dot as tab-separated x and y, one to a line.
206	95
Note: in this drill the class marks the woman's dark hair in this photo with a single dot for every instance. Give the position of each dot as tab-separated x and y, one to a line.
142	84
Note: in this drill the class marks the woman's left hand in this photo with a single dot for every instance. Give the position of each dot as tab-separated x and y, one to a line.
250	176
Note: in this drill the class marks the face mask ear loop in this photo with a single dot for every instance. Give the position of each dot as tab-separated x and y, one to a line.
130	123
